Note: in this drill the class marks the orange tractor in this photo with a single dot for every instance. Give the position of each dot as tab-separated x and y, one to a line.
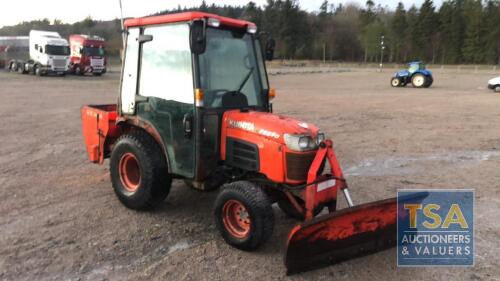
195	105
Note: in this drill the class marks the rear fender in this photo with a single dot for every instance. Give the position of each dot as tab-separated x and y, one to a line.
131	122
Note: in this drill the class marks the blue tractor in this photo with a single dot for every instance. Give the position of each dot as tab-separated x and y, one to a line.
416	74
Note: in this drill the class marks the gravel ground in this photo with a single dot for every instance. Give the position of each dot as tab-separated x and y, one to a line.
60	220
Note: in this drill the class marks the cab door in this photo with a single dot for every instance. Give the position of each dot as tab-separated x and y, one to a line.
165	91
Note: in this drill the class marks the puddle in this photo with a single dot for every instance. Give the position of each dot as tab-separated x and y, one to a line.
178	246
409	165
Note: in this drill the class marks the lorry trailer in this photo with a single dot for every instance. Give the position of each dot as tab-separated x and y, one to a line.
13	48
87	54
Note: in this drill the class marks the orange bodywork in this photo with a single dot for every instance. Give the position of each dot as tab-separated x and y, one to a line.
265	130
187	16
99	129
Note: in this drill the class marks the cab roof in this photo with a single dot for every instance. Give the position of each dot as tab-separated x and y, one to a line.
186	16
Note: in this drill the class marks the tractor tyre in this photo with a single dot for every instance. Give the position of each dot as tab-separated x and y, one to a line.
243	215
395	82
429	81
418	80
139	171
287	208
497	89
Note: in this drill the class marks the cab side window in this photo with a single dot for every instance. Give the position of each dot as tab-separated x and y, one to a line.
166	66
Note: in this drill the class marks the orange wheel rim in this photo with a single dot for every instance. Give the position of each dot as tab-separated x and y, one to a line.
130	173
236	219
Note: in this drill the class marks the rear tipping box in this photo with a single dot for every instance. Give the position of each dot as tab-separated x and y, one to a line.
99	130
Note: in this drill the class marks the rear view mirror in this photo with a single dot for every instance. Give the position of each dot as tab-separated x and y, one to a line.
269	50
145	38
197	40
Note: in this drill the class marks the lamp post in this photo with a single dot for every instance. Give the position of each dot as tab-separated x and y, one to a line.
382	47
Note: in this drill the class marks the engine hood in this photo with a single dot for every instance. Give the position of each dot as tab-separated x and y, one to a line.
267	125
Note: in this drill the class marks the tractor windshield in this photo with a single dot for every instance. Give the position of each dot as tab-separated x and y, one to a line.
232	65
414	66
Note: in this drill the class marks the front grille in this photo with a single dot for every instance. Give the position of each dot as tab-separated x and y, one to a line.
96	62
242	154
298	164
59	63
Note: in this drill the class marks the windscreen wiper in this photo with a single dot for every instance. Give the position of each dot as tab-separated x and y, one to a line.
245	80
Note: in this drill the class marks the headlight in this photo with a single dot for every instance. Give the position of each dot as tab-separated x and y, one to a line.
300	142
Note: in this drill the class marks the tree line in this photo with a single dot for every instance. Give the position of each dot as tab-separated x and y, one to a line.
459	31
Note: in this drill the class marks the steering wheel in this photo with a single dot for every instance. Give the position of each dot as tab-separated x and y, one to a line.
214	97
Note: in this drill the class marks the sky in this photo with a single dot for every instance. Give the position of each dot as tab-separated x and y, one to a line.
69	11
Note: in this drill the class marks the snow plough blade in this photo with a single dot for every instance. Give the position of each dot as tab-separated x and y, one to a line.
342	235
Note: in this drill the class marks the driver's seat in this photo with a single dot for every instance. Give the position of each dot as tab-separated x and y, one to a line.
234	100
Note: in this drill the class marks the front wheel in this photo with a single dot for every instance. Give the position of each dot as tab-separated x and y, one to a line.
497	88
78	70
243	215
395	82
418	80
139	172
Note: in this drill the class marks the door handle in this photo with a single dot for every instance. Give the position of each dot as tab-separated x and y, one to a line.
187	124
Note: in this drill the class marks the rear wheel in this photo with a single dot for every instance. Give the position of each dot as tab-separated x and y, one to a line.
418	80
395	82
429	81
13	66
139	172
243	215
20	68
497	88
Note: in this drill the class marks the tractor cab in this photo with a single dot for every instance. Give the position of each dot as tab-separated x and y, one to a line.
181	73
415	66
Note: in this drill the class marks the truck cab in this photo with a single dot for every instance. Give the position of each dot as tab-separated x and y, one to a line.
87	54
49	53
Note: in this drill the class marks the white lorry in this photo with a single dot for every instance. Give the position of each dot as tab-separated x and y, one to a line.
48	53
